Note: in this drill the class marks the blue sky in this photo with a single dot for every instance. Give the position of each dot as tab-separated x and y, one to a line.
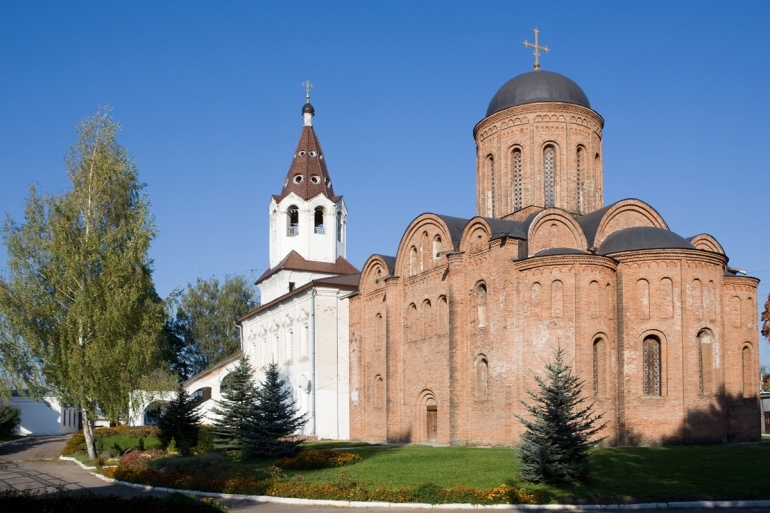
209	97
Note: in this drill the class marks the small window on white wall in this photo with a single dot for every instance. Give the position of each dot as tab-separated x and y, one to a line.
339	226
292	221
318	220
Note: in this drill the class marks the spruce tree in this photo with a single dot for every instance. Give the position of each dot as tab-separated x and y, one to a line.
180	422
272	418
554	447
239	394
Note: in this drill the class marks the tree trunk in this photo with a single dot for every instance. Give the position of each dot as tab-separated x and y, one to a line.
88	432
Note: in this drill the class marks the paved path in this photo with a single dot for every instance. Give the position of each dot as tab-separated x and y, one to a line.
33	463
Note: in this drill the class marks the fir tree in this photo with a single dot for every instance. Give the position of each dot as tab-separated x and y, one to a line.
180	422
239	394
272	418
554	448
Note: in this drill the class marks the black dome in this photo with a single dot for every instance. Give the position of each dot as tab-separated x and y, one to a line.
307	108
537	86
642	237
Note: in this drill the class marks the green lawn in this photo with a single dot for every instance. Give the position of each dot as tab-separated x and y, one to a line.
620	474
8	438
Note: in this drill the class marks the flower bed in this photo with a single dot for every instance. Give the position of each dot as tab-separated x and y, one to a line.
310	459
136	467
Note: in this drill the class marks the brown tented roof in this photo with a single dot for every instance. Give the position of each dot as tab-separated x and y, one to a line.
308	176
295	262
349	282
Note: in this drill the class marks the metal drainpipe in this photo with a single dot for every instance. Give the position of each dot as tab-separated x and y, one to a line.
314	384
240	334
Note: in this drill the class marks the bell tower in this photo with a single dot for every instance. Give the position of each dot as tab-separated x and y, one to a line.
307	219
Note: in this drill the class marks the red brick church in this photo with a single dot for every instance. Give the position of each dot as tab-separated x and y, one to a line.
446	335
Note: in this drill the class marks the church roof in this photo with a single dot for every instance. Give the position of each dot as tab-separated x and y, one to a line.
507	228
308	176
590	223
455	225
537	86
296	262
642	237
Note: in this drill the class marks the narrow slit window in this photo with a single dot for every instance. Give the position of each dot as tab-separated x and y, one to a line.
549	165
517	179
651	366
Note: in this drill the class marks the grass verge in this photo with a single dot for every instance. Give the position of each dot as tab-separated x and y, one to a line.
9	438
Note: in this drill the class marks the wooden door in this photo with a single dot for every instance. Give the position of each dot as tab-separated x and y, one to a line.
432	423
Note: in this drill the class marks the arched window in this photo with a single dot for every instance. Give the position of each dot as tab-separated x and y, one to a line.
412	325
481	304
579	172
413	263
643	297
339	226
491	174
425	248
706	362
427	319
436	247
709	305
666	298
557	299
600	367
696	298
292	226
318	220
516	161
535	296
443	315
482	377
651	366
593	290
748	372
379	392
549	166
379	332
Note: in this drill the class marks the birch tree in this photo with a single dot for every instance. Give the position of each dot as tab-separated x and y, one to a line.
78	290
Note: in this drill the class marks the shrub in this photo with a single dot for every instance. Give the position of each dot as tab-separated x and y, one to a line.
310	459
10	418
27	500
207	464
205	440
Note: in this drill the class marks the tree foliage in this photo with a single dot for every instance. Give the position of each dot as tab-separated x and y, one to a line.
79	291
202	332
272	418
554	447
766	319
10	418
180	421
239	394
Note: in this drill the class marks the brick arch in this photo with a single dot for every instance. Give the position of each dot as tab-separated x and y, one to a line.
413	236
426	400
373	273
627	214
569	234
469	240
706	242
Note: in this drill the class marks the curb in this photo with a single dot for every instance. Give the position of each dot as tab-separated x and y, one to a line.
418	505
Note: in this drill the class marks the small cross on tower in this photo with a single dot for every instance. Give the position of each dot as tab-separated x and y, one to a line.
308	86
536	53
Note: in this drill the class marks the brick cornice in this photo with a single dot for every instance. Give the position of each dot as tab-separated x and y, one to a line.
545	108
567	259
668	254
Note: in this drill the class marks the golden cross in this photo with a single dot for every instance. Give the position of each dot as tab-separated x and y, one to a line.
308	86
536	47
